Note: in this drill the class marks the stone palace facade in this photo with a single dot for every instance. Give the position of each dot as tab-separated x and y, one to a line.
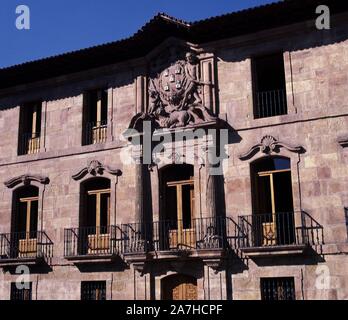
203	160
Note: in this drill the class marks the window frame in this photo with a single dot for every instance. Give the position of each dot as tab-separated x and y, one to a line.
270	281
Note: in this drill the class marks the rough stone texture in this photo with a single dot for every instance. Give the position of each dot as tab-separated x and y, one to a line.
316	67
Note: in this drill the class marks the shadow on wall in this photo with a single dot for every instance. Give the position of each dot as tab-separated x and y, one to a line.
298	42
71	89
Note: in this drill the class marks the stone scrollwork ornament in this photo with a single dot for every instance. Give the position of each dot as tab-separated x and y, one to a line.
26	179
269	145
96	168
175	97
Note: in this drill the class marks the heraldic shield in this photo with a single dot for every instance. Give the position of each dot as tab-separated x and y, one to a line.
175	97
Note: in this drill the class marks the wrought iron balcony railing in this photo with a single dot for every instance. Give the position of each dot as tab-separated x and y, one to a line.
92	241
280	229
166	235
96	132
29	143
270	103
25	246
235	236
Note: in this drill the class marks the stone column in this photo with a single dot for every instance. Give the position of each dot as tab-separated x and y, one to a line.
214	193
207	67
139	183
211	186
143	196
140	94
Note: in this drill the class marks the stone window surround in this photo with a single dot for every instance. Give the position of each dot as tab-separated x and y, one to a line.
26	180
288	85
110	108
110	135
270	146
96	169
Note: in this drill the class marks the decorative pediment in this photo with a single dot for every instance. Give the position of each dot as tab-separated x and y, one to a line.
179	95
95	168
26	179
343	142
269	145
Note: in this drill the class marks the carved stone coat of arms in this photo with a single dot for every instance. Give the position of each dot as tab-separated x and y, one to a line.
175	97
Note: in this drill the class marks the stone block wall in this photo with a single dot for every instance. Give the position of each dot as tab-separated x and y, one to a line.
316	71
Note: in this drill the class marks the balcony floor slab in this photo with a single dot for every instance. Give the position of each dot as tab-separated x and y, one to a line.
272	251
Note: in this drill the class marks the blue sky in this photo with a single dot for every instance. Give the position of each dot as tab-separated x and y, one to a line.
59	26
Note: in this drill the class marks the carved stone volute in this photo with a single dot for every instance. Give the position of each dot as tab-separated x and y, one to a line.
269	145
95	168
26	179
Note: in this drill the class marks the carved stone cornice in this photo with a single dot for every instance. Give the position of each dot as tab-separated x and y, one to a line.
26	179
269	145
343	142
95	168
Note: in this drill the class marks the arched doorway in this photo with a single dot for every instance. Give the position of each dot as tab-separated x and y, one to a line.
179	287
177	207
273	219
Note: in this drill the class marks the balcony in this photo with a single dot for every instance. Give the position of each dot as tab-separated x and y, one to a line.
279	233
202	238
25	248
29	143
96	132
270	103
88	244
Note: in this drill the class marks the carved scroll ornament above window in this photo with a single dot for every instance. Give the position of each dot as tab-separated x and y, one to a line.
26	179
269	145
95	168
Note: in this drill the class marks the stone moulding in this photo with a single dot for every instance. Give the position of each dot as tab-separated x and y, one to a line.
343	142
268	145
26	179
95	168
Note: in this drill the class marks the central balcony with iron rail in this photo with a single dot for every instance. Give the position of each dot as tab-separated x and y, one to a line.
203	237
209	238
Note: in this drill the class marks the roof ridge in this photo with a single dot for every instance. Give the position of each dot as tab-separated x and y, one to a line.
167	17
261	6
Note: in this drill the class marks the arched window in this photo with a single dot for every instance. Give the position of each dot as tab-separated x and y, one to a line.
179	287
25	221
273	220
95	216
177	205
